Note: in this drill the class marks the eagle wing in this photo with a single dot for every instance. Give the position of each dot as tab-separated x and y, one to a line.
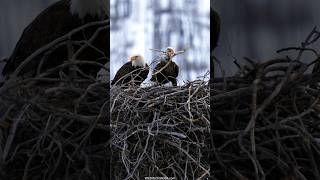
158	67
144	73
139	74
214	37
215	28
166	74
124	70
45	28
175	70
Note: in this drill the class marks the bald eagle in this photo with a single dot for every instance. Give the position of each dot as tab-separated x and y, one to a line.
166	70
133	72
58	20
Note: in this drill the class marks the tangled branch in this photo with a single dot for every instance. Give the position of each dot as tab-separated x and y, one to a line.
266	120
53	126
160	131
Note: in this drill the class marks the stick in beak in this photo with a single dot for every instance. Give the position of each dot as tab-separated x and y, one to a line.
180	52
157	50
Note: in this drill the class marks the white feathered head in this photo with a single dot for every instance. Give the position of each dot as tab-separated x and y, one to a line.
137	61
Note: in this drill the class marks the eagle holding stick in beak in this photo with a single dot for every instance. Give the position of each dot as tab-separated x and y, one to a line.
166	70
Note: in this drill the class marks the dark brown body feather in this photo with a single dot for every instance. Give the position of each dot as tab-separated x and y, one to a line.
168	74
130	75
316	75
214	28
52	23
214	35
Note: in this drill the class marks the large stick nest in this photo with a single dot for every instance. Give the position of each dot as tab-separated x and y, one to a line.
54	126
266	120
265	125
160	131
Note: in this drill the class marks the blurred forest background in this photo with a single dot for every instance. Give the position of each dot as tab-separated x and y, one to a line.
257	29
138	25
250	28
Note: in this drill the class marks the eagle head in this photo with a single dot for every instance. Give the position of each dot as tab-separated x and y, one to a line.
137	61
170	52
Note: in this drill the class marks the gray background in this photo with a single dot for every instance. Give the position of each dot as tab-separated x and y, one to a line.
252	28
257	28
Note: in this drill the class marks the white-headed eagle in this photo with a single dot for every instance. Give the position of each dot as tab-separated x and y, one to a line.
132	73
166	70
56	21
